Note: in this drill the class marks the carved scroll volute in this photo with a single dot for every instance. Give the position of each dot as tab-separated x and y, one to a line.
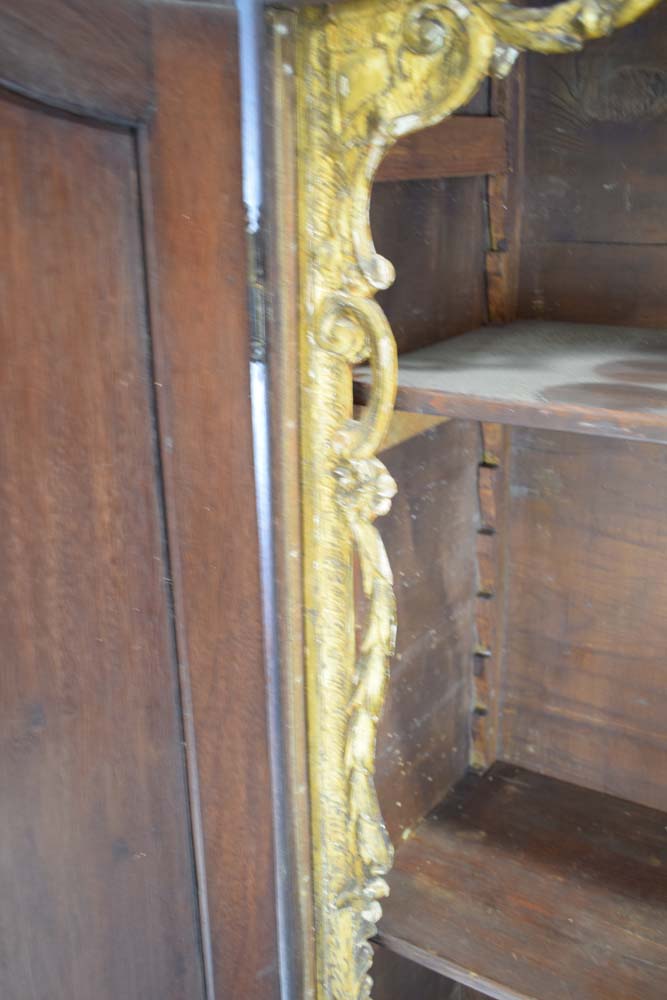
369	71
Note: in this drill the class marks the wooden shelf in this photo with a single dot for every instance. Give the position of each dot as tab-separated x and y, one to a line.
604	380
528	888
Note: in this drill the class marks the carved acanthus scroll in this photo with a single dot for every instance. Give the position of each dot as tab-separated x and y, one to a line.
369	72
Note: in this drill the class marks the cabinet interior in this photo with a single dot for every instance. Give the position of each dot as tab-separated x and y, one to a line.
521	753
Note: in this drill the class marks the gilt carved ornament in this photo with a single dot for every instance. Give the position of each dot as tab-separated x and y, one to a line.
369	72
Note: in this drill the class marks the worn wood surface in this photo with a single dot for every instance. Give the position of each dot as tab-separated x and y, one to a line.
605	283
584	694
439	290
435	232
197	253
505	201
462	146
595	209
596	141
492	558
89	58
590	379
97	892
430	539
396	978
533	889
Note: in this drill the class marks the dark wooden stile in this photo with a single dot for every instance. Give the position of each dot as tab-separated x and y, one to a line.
134	864
191	169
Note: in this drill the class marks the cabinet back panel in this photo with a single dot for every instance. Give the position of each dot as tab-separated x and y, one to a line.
96	879
584	693
435	233
594	239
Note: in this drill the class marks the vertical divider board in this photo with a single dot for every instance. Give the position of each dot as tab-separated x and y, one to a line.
507	101
504	201
491	552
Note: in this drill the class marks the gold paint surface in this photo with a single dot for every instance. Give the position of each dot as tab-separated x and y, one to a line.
369	72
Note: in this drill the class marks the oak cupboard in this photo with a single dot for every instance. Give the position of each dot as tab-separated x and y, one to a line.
136	856
214	758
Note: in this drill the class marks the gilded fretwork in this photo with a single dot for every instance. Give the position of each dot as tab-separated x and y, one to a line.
368	73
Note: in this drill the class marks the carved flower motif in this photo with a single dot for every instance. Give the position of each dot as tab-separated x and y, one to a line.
366	489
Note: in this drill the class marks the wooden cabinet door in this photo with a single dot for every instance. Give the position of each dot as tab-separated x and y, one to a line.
135	825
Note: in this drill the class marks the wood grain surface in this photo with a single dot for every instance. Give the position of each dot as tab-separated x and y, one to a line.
532	889
435	234
462	146
430	538
591	379
397	978
97	892
197	252
584	691
94	58
595	184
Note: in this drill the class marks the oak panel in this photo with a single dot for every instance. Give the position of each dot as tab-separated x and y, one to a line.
584	692
595	185
97	891
594	283
596	140
435	233
89	58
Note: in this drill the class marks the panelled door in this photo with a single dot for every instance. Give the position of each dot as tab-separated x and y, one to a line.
135	826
